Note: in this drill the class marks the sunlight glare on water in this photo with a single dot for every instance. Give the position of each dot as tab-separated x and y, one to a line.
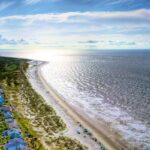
47	56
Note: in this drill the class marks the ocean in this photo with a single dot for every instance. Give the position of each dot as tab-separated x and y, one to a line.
109	86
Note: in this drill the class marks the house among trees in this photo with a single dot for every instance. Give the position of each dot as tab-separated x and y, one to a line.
8	114
11	123
2	101
13	133
16	144
1	93
5	109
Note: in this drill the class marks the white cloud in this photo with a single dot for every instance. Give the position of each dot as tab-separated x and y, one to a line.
4	41
110	2
80	17
5	5
31	2
132	27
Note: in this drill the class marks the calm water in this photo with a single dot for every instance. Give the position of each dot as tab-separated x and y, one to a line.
114	87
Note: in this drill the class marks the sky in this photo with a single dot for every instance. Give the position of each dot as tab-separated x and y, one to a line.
74	25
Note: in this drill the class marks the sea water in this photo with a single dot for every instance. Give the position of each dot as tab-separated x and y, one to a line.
113	87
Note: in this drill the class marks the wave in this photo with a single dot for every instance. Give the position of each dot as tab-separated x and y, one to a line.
84	84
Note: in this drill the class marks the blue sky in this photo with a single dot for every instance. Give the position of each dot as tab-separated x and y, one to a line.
74	24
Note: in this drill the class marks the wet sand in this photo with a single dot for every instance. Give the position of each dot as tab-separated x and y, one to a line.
77	120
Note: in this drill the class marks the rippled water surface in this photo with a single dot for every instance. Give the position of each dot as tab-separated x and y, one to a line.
112	86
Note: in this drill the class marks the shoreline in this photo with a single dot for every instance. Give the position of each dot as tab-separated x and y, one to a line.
98	130
73	127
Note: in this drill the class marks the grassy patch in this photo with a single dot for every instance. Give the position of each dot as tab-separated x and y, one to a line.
66	143
11	67
3	127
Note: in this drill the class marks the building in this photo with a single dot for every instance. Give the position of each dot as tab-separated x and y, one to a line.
8	114
13	133
11	123
1	93
2	101
16	144
5	108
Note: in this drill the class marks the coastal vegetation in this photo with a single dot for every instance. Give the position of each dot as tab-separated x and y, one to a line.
41	127
3	126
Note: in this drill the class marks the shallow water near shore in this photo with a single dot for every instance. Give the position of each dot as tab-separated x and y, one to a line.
114	88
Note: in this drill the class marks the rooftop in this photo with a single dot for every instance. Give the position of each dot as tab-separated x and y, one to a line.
15	144
11	123
1	98
13	133
5	108
8	114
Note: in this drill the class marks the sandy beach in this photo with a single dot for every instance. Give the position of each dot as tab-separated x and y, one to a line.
75	119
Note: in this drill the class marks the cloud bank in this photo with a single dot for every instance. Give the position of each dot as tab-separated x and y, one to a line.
73	17
117	29
4	41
